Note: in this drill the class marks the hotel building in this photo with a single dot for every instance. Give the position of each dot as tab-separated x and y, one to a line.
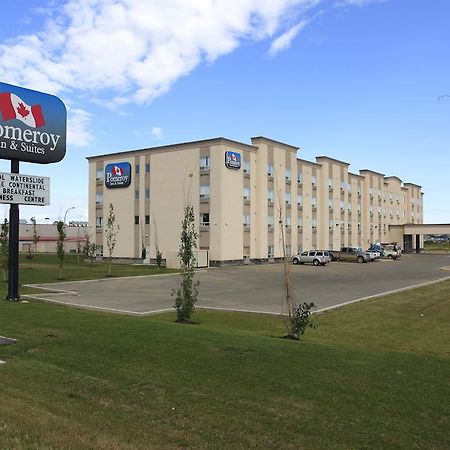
243	195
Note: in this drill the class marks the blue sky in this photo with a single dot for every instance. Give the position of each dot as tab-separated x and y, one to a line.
356	80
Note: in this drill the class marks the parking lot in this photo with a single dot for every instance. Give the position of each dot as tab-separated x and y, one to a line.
255	288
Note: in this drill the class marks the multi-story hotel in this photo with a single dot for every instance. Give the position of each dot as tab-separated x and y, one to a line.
243	196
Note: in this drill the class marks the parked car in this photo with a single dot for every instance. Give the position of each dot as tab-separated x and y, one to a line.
373	255
315	257
353	254
387	250
334	254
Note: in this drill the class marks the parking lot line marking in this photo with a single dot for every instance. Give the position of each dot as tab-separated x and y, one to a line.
408	288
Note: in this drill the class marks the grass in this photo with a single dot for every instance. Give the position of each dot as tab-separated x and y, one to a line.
373	375
44	269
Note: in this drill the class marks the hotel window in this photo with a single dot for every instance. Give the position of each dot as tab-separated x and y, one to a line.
246	166
314	202
299	222
270	221
288	221
330	183
246	194
342	185
147	193
147	220
299	200
270	251
204	219
98	222
204	191
288	174
99	198
270	196
330	203
147	168
314	180
136	169
246	220
288	198
136	220
136	195
270	170
99	174
204	162
314	223
299	177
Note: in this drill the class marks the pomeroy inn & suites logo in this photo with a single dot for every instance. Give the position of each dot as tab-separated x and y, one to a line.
118	175
32	125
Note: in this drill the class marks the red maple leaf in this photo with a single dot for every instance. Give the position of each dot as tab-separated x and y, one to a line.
22	110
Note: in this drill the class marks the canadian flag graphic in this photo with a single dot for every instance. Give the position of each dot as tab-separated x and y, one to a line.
13	107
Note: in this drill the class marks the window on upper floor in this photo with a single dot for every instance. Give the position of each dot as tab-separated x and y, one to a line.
287	197
246	193
204	191
99	198
246	166
204	162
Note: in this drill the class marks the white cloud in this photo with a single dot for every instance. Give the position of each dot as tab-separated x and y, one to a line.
133	50
157	132
358	2
284	41
77	127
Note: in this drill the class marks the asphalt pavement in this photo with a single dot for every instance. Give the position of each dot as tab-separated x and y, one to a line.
257	288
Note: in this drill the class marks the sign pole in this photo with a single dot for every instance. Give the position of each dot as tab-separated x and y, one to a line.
13	268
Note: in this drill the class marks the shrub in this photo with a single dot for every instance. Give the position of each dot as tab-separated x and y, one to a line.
299	320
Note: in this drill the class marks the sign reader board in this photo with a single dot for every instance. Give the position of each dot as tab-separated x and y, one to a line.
24	189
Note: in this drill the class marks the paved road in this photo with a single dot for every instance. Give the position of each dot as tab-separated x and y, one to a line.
257	288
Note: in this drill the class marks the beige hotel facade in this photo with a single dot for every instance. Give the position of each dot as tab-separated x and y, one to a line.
240	211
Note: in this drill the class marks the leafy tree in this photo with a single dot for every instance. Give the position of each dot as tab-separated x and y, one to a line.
158	258
187	293
32	250
90	248
4	248
111	235
60	251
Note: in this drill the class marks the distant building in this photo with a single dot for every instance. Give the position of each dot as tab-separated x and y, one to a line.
48	237
243	196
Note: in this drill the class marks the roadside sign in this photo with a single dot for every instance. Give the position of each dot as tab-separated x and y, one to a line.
22	189
32	125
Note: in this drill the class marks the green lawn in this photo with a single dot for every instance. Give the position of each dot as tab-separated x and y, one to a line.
372	375
44	269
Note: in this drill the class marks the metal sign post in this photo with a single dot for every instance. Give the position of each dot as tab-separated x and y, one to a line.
13	268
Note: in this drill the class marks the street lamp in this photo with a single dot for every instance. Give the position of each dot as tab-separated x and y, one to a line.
65	214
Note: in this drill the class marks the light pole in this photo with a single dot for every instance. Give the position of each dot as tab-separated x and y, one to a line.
65	214
64	222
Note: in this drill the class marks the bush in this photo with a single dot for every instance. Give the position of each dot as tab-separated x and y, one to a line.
299	320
